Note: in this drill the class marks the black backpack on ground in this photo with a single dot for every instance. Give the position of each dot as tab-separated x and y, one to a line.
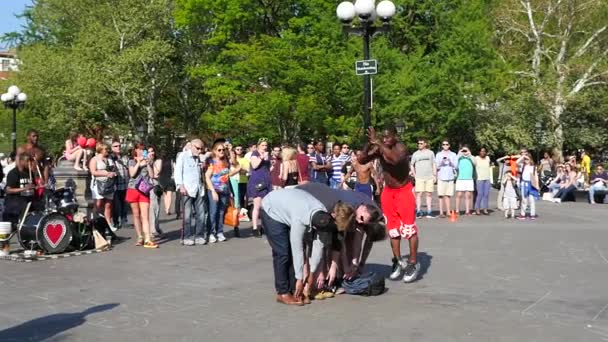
368	284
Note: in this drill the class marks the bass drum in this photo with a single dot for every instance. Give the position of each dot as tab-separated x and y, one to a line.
51	233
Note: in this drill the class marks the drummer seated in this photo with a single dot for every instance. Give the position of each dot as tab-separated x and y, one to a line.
19	189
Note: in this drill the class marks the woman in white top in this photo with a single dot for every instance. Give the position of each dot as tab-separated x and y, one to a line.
103	181
483	169
528	187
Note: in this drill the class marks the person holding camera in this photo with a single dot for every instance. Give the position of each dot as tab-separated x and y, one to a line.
103	182
446	162
138	194
465	181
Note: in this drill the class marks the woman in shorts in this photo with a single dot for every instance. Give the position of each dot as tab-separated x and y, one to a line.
465	181
140	168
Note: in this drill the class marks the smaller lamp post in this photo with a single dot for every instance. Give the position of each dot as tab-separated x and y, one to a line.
14	99
400	128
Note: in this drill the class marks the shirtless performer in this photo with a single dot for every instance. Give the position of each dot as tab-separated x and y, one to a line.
397	198
364	174
37	153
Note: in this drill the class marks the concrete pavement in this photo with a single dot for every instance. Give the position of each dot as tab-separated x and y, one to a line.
484	279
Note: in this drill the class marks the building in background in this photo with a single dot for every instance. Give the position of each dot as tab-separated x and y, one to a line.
8	64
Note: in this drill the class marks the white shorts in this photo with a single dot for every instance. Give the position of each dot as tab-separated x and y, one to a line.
465	185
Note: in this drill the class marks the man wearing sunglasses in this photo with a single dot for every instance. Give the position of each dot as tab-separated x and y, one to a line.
446	162
188	180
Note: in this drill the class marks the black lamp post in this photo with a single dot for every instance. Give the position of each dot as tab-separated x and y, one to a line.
538	135
367	13
14	99
400	128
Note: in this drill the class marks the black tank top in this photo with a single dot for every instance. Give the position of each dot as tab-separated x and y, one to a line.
292	178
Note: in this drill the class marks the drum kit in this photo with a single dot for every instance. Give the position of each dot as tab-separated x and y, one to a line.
58	228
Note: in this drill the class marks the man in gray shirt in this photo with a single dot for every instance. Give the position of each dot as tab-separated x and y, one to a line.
290	216
422	168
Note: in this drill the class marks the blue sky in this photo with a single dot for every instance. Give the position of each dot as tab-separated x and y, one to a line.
8	8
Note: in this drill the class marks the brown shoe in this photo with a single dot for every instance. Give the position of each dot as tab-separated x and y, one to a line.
289	299
306	299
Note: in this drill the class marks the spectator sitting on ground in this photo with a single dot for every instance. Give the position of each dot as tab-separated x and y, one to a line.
560	177
599	182
567	187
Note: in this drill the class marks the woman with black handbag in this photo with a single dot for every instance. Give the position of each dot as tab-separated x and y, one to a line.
103	173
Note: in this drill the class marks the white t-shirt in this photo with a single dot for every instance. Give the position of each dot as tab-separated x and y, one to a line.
527	172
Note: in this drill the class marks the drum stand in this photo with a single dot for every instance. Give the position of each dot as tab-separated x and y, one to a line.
31	252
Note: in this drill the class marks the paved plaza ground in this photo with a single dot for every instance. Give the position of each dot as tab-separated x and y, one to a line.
484	279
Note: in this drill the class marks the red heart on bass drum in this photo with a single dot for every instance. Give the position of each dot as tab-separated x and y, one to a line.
54	233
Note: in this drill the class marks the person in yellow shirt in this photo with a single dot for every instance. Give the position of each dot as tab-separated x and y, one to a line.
243	179
585	165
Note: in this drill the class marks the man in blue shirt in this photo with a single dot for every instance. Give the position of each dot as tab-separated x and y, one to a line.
338	159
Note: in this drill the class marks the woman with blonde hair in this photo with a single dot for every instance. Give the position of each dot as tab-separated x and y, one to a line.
289	171
103	181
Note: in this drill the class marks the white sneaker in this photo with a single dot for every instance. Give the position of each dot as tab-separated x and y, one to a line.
221	237
200	241
212	238
3	253
188	242
411	272
396	270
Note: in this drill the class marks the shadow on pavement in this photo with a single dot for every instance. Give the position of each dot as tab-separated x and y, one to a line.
173	235
43	328
385	269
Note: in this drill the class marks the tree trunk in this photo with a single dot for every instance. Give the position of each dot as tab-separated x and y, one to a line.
558	133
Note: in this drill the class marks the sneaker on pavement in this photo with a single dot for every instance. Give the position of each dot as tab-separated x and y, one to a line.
113	228
419	214
237	232
397	269
212	238
188	242
221	237
533	217
411	272
3	253
429	214
200	241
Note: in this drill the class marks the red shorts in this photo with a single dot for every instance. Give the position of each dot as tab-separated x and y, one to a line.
399	207
134	196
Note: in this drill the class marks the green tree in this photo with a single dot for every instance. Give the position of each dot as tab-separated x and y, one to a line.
559	52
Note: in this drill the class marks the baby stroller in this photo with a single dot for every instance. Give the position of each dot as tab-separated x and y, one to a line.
545	179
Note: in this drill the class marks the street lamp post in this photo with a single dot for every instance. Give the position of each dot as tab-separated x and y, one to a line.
14	99
538	135
367	13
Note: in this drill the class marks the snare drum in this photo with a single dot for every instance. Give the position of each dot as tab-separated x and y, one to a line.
51	232
65	201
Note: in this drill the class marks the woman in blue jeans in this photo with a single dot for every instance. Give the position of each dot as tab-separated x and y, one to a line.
217	178
569	186
483	170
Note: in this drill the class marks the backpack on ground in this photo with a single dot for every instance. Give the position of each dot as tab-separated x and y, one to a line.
368	284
